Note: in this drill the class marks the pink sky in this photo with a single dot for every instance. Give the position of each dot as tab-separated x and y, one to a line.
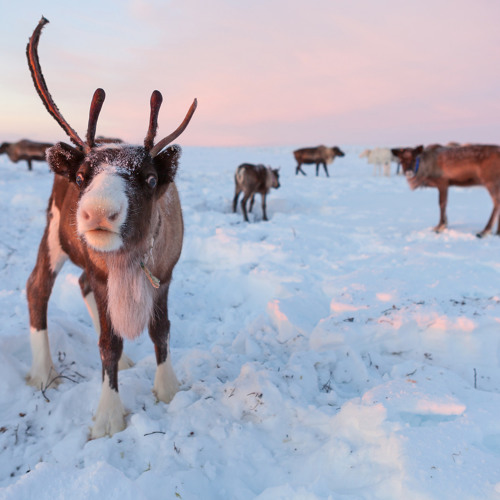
271	72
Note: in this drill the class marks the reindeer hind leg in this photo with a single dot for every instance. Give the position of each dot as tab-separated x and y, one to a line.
495	196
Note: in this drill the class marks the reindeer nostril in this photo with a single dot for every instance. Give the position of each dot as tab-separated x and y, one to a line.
85	215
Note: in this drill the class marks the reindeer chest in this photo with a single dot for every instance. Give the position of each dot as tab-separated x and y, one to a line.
130	300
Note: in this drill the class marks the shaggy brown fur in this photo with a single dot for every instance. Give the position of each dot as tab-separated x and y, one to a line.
104	194
320	155
252	179
441	167
25	150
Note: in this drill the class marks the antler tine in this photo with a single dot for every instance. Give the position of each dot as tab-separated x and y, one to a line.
156	100
41	86
176	133
95	109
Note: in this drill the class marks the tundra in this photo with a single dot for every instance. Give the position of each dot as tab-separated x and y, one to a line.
252	179
440	167
320	155
114	211
25	150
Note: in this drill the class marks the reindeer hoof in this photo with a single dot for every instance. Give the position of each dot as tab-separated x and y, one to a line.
42	382
166	384
109	419
108	425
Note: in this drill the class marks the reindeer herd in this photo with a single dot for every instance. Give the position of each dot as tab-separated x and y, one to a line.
114	211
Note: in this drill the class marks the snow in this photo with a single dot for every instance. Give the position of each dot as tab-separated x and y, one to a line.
341	350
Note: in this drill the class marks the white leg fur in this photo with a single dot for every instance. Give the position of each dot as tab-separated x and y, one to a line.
56	254
166	384
42	369
125	362
110	415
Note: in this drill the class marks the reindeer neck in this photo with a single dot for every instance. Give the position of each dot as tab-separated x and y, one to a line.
148	255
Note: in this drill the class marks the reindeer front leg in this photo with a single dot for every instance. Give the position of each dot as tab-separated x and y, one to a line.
264	214
326	169
110	414
443	199
89	298
166	384
38	289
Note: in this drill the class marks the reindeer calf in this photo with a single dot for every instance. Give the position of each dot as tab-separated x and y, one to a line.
252	179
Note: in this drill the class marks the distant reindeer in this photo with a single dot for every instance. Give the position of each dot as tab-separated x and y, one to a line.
320	155
115	212
252	179
25	150
440	167
380	158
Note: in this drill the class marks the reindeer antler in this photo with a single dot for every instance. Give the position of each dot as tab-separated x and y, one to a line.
41	86
95	109
176	133
156	100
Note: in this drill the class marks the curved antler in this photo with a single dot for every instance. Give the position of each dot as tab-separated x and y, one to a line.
176	133
156	100
95	109
41	86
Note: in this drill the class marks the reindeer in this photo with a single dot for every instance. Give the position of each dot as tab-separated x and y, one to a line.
440	167
114	211
252	179
25	150
320	155
379	157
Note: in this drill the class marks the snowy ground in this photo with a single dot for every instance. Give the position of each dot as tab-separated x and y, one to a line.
341	350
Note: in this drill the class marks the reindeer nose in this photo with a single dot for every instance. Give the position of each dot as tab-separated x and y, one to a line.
99	216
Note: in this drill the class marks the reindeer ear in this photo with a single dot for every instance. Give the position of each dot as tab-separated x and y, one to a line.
166	165
64	159
396	151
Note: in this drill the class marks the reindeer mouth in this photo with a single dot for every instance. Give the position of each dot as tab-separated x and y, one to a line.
103	239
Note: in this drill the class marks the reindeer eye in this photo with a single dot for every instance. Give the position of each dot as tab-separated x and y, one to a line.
151	181
79	179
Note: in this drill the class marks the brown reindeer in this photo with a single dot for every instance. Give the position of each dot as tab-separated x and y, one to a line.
25	150
440	167
320	155
114	211
252	179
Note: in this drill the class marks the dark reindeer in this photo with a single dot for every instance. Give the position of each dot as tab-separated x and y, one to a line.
253	179
114	211
440	167
320	155
25	150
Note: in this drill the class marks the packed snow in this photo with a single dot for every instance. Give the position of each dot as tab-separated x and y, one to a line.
342	350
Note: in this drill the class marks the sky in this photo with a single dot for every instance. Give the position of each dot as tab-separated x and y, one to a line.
273	72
